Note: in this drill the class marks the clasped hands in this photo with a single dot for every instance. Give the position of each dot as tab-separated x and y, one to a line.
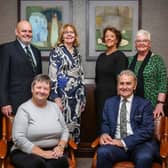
56	153
106	139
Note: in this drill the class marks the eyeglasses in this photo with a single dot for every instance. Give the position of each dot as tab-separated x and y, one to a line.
142	41
68	32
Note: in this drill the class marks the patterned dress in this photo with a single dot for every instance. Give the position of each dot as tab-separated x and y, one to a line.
67	78
155	78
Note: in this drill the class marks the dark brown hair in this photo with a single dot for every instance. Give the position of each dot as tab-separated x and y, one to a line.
115	31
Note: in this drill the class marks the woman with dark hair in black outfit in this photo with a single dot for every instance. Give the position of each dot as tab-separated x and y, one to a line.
108	65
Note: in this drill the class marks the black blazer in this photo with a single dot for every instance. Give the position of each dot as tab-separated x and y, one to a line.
16	74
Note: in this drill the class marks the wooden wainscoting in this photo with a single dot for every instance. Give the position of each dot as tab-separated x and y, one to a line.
88	124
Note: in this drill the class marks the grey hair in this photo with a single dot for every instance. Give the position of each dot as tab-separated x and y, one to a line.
41	78
144	32
128	73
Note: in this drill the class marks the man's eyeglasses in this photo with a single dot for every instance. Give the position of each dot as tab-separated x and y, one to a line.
142	41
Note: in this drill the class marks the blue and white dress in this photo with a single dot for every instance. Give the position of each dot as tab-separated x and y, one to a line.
67	78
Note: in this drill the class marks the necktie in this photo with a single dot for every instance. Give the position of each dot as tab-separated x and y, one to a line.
123	119
29	55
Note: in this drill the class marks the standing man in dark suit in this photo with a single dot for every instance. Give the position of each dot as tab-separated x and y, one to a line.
134	141
18	68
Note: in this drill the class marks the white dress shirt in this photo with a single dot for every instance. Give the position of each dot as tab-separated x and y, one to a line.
128	106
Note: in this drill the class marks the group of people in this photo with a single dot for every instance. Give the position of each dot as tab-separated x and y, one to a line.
48	108
142	91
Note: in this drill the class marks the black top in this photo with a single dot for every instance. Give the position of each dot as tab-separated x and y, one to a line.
107	69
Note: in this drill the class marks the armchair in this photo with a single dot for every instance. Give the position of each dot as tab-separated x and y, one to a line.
6	138
161	134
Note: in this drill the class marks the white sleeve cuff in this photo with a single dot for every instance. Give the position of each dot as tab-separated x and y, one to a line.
124	145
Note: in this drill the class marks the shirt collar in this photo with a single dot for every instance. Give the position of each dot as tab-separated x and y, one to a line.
129	99
23	45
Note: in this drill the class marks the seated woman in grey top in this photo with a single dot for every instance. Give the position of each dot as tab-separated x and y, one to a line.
39	130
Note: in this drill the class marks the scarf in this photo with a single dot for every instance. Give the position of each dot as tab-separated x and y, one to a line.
140	79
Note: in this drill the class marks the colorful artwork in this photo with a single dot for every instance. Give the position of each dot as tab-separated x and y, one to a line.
46	23
46	18
122	14
120	17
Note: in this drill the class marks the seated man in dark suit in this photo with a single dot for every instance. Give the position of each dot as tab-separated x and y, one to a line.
129	136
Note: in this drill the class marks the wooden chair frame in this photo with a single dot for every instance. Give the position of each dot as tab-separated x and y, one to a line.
161	134
7	137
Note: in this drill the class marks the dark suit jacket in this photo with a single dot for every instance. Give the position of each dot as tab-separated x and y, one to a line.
141	118
16	74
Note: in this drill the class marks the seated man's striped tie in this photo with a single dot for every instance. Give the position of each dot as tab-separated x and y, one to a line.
123	119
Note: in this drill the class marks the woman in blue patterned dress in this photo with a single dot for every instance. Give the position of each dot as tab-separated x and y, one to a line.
67	77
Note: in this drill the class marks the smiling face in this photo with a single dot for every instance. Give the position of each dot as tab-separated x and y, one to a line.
23	32
110	39
142	43
69	36
40	92
126	85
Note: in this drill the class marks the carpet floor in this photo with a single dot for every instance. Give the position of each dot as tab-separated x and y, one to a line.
84	162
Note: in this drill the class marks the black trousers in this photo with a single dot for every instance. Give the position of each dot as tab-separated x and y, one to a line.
24	160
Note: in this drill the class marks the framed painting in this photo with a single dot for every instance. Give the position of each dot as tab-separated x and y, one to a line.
121	14
46	18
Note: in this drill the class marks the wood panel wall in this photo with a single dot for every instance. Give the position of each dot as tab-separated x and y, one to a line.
88	124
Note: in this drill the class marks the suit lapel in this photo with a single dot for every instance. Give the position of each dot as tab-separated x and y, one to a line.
116	109
133	107
20	49
23	54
